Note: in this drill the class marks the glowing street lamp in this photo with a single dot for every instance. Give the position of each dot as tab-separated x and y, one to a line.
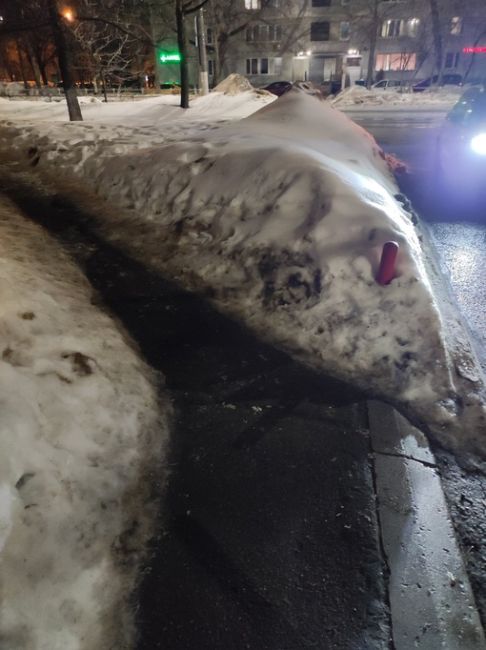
68	15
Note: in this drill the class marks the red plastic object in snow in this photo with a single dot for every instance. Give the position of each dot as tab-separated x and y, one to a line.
386	272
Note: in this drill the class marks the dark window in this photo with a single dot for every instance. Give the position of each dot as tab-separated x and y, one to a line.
264	66
451	60
319	31
321	3
252	66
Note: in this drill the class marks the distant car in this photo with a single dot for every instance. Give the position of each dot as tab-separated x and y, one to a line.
278	87
461	147
388	84
447	80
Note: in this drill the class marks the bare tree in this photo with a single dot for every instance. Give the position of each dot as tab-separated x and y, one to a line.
24	26
228	20
111	43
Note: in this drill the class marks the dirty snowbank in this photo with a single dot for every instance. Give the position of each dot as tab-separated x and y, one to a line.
441	98
280	218
81	430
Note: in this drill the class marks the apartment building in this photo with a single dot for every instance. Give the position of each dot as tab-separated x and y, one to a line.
331	40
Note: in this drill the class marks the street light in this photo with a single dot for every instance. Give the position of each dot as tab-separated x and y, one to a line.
68	15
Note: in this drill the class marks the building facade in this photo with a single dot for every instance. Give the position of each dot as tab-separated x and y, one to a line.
327	41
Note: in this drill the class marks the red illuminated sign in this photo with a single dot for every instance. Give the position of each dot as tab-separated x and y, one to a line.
474	50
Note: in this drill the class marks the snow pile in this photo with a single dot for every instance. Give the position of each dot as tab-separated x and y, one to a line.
281	219
361	96
80	433
155	114
11	88
233	85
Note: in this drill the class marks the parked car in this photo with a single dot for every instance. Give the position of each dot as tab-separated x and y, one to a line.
461	146
389	84
278	87
447	80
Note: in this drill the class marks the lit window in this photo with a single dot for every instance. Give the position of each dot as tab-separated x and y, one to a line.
396	61
344	31
412	27
252	4
391	28
456	25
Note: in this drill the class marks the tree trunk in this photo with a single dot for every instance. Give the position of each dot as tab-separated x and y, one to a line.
372	50
33	61
22	64
64	56
437	37
216	63
182	43
6	62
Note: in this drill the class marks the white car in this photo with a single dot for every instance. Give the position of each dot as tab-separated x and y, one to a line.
388	84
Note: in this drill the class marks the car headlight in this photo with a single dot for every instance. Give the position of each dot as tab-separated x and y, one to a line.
478	144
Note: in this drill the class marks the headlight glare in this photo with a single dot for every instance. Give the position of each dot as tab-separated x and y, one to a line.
478	144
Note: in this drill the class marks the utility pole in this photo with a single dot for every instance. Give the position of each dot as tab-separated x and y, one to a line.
203	55
182	43
437	35
61	40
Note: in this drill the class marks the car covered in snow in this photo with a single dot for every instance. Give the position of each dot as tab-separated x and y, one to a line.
461	146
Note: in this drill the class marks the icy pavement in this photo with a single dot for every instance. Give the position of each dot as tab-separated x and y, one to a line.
83	430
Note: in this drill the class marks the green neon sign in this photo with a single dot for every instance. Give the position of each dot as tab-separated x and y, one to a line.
173	57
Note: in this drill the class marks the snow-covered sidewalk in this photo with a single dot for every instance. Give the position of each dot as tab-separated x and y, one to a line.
82	426
280	218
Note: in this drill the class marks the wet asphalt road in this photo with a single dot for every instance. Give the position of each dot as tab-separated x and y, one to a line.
459	231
